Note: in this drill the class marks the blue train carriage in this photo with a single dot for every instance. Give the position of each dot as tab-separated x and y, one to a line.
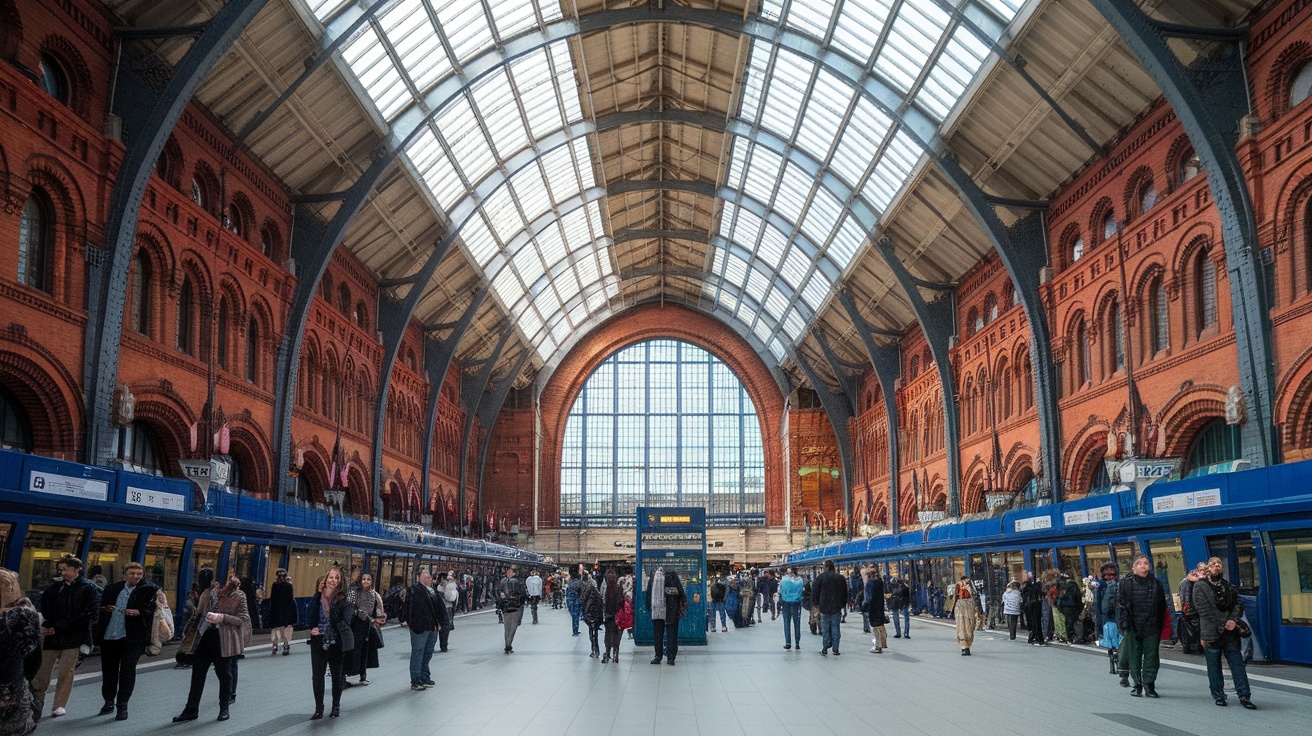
49	508
1259	521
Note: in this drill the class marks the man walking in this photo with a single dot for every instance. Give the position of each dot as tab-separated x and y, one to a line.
1141	600
899	601
68	607
830	591
966	611
533	587
1031	601
667	601
718	591
874	609
424	613
790	600
510	602
1220	620
123	633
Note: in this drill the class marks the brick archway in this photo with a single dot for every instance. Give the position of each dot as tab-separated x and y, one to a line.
650	322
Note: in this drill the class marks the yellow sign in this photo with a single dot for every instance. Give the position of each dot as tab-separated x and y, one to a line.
676	519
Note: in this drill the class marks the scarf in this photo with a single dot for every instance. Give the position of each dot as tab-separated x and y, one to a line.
658	595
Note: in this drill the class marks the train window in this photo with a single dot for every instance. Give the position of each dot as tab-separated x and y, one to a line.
1168	565
205	553
6	531
1068	561
1096	555
1042	562
42	549
958	565
306	565
110	551
1013	563
246	560
277	558
1240	566
162	563
1124	553
1294	565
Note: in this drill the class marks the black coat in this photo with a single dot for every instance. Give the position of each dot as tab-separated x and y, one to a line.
874	601
282	605
340	613
1142	604
142	599
423	611
71	609
830	593
676	600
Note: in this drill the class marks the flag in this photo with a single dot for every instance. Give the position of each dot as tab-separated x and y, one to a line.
332	469
346	469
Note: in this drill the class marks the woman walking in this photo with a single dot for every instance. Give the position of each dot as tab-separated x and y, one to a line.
594	610
613	604
282	613
331	639
368	614
214	635
20	636
1011	607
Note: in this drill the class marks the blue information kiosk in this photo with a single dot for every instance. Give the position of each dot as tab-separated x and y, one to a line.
675	539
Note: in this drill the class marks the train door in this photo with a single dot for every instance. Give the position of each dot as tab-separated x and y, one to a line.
1168	565
42	550
107	554
163	563
1069	562
1095	556
1041	561
1239	560
1290	553
1123	553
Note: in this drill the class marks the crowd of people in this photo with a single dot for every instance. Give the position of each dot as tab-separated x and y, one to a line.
44	639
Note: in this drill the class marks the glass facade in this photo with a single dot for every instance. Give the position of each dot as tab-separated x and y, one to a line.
662	423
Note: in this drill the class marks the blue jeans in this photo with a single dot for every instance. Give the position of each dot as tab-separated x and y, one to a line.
574	615
793	614
718	607
829	631
901	620
421	653
1235	658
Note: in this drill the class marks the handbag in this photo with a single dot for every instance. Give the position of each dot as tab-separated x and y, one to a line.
375	636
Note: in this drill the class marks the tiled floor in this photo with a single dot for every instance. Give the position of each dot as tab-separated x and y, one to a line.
743	682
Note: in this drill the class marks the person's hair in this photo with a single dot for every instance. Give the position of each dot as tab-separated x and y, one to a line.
133	566
829	565
10	590
441	575
281	573
1013	584
792	570
1202	566
204	578
614	593
1142	557
421	572
1217	560
71	561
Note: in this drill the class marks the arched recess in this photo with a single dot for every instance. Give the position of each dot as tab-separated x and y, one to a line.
358	499
251	449
169	416
70	232
1295	409
1187	411
1020	474
314	469
907	509
646	322
1294	263
79	76
1085	451
973	487
45	392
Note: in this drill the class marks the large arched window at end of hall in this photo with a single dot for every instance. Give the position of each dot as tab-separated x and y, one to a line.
36	241
141	286
1204	290
54	80
137	447
662	423
15	428
1301	88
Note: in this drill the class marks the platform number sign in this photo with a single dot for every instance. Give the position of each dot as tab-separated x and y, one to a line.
155	499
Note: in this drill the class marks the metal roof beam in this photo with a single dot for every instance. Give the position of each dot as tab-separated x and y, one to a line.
471	395
1211	115
149	116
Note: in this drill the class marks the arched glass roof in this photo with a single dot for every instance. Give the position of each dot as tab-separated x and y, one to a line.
510	161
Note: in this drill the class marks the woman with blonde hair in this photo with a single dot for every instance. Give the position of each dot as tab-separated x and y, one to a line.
20	636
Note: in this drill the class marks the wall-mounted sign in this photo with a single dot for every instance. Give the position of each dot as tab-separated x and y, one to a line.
1034	522
68	485
1087	516
155	499
1187	501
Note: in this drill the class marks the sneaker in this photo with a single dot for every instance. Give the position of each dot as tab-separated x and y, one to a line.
897	636
836	653
417	687
788	646
57	712
724	630
1221	702
429	683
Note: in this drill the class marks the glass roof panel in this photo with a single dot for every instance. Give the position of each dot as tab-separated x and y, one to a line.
786	93
811	16
861	22
794	325
376	72
794	268
407	25
466	27
911	40
512	17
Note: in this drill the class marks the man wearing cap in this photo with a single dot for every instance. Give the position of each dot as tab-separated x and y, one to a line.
69	609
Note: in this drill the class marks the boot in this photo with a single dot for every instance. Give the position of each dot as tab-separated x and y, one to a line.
286	649
606	658
595	651
1125	679
1111	660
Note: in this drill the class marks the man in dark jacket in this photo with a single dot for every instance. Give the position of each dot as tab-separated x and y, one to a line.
123	632
69	609
511	594
874	608
1031	599
854	587
1186	627
424	613
1220	619
830	591
1070	603
718	591
899	601
1141	601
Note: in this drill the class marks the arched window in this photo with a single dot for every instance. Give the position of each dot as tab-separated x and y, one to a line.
1005	386
1190	165
1116	330
1101	478
253	351
1109	223
15	428
1147	196
221	340
169	163
410	360
137	447
328	394
235	220
186	341
54	80
1161	325
974	323
344	298
1077	248
268	240
915	368
1216	442
972	400
141	286
1205	290
35	241
683	431
362	316
326	288
1301	88
199	194
990	308
309	376
1081	367
1026	383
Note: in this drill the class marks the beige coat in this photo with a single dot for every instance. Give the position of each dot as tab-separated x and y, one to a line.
234	630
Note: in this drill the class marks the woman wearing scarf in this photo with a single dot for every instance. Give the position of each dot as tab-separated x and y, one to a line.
613	603
216	633
667	602
330	639
368	607
594	610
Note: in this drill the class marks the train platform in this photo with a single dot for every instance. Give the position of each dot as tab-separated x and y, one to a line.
743	682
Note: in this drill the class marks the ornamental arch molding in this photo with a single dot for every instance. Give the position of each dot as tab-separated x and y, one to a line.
45	391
